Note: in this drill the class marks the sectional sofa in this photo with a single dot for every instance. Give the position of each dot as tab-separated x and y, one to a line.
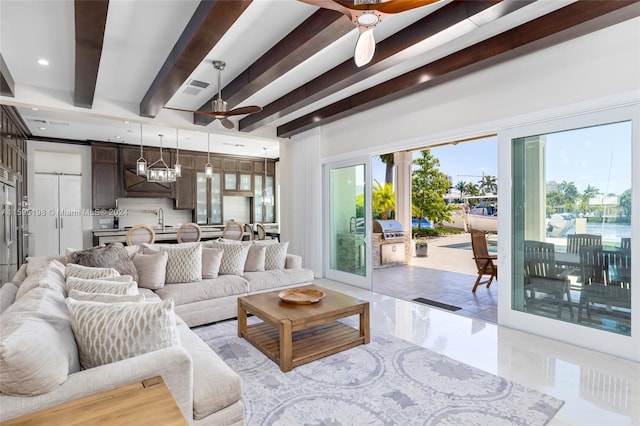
44	355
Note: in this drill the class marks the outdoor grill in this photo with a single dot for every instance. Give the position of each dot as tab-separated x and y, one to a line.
388	229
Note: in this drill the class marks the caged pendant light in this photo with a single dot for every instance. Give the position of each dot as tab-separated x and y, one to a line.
159	171
208	168
141	163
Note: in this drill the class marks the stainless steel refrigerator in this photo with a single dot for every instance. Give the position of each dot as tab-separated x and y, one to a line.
8	227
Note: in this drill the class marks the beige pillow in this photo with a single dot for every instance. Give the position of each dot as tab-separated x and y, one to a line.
184	262
255	258
152	269
103	286
37	347
211	258
110	332
276	255
234	257
105	297
36	262
79	271
49	274
8	293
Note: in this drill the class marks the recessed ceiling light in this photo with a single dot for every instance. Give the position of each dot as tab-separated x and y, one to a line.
118	137
42	128
43	62
126	122
34	109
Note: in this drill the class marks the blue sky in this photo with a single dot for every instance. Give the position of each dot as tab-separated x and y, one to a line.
598	155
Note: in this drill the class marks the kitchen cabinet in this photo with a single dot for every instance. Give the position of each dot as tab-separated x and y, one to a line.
263	213
138	186
185	186
208	198
104	176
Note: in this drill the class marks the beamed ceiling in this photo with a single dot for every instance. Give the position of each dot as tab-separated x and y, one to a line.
113	62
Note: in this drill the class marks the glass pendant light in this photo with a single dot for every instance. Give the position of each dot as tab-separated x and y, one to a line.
141	163
208	168
266	199
177	167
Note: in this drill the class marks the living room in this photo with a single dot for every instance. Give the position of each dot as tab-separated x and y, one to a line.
557	87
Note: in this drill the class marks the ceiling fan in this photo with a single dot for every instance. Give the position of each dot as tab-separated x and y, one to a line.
366	14
219	106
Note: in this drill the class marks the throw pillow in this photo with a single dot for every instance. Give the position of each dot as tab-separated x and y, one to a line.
8	293
107	333
102	286
152	269
233	259
111	256
50	274
36	262
255	258
88	272
184	262
276	255
211	258
105	297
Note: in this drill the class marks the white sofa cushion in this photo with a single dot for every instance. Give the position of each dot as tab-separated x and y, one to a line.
261	281
8	293
80	271
110	332
152	269
275	255
50	274
125	286
184	262
105	297
224	285
37	347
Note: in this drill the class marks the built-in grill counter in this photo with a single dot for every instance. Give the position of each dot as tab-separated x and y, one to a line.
391	245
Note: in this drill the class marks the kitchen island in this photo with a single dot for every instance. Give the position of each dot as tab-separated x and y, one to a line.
167	235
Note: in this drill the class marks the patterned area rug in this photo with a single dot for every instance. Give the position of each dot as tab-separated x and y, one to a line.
387	382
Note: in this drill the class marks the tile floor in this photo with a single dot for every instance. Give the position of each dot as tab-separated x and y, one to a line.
446	275
598	389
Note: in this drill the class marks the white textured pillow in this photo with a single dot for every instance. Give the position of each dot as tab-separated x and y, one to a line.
234	257
110	332
103	286
152	269
276	255
211	258
105	297
184	262
79	271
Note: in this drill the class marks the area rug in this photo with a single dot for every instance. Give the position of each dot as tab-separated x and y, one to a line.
387	382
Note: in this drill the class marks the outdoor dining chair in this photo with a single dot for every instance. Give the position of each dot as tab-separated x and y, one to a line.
485	263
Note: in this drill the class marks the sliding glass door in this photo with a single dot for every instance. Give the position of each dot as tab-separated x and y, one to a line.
346	213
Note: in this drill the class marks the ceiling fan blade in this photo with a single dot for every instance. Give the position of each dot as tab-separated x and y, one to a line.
245	110
227	123
330	4
365	48
398	6
190	110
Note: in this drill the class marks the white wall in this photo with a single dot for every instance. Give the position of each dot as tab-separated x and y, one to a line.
597	71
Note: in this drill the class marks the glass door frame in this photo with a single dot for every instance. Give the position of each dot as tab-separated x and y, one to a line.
334	274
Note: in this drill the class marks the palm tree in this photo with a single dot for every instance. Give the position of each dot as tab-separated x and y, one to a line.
383	199
461	186
489	184
389	162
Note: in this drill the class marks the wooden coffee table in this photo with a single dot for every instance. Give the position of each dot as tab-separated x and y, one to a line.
292	335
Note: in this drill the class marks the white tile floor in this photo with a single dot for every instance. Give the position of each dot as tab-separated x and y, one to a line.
598	389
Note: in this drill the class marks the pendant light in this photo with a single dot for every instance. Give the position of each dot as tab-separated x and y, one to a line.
141	163
159	171
177	167
266	198
208	168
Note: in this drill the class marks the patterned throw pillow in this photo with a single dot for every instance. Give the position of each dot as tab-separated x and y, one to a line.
276	255
102	286
88	272
184	261
110	332
105	297
113	256
234	257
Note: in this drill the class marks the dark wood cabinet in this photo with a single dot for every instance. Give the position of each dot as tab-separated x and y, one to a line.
185	186
104	176
138	186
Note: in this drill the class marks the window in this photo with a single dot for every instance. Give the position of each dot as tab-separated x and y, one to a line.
571	238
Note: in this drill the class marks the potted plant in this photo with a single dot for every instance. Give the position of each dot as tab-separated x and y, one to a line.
422	244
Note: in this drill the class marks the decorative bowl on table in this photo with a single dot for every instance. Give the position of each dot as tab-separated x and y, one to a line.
301	296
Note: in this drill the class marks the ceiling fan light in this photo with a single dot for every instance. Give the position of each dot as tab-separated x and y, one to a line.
368	19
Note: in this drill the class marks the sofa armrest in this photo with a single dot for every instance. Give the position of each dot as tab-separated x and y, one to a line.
173	364
293	261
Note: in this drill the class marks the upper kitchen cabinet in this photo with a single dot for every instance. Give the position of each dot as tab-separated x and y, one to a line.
138	186
185	186
238	176
104	176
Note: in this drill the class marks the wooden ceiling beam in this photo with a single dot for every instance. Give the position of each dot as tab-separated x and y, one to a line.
314	34
574	20
211	20
389	53
90	22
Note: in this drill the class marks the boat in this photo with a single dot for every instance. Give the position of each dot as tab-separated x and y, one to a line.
474	212
558	224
